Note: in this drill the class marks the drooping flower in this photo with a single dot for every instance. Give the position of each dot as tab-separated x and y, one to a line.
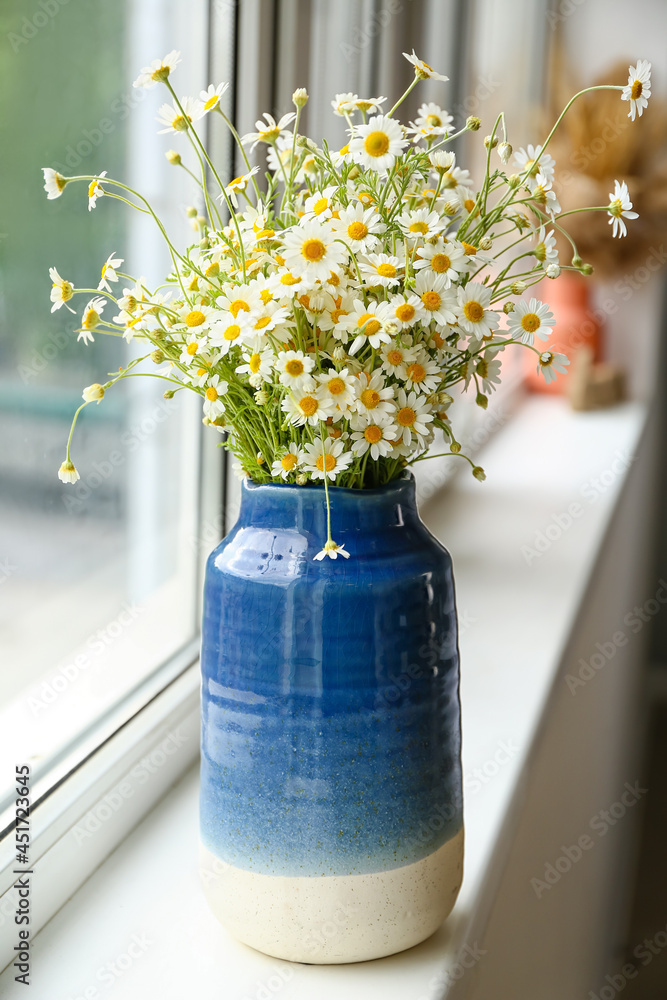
550	363
158	71
93	393
54	183
91	318
61	292
333	550
108	272
67	472
95	190
620	208
638	88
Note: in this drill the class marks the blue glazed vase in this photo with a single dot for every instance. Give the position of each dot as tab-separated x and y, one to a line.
331	794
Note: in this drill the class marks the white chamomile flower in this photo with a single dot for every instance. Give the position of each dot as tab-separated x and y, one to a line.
529	320
90	319
488	370
326	459
620	208
380	269
406	310
421	224
422	374
533	162
294	369
369	105
210	98
476	316
93	393
438	304
258	366
270	318
108	273
268	131
377	143
374	397
307	408
376	435
179	119
431	121
237	186
289	462
441	160
229	331
422	69
638	89
545	250
215	389
366	323
319	205
54	183
194	344
61	291
444	258
543	194
95	190
333	550
158	71
550	363
339	386
344	104
395	359
67	472
359	227
240	299
412	416
311	249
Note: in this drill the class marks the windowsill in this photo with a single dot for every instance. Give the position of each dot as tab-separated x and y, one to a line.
515	619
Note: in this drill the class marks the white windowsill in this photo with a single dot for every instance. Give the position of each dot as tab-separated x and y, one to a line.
140	927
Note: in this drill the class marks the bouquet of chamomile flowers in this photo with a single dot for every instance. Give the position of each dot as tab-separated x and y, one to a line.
330	307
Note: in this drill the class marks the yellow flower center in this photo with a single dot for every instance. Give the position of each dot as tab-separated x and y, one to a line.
405	313
313	250
294	368
211	103
288	461
334	279
266	296
386	270
195	318
530	322
373	433
473	311
418	227
469	204
289	279
370	398
365	198
269	134
357	230
431	301
434	121
192	348
262	322
308	405
344	150
417	372
372	325
395	357
406	416
66	290
326	463
91	188
532	168
90	319
254	362
212	270
320	206
212	393
469	249
376	143
440	263
181	122
232	332
636	91
336	386
616	208
202	371
237	305
336	315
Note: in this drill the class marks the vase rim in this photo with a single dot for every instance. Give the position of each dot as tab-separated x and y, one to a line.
406	479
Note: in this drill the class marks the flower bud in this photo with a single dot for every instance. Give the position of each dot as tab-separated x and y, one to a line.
508	308
191	212
205	244
514	180
260	458
300	97
390	328
261	397
455	448
504	151
577	261
517	287
339	353
489	141
157	357
482	400
473	123
93	393
485	243
552	270
587	268
301	479
173	157
479	473
169	394
451	207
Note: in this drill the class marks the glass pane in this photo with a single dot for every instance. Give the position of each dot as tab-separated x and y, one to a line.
97	579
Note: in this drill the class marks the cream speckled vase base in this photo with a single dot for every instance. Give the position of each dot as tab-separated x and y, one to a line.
332	919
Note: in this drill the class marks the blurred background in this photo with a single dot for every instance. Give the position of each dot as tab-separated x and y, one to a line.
98	582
